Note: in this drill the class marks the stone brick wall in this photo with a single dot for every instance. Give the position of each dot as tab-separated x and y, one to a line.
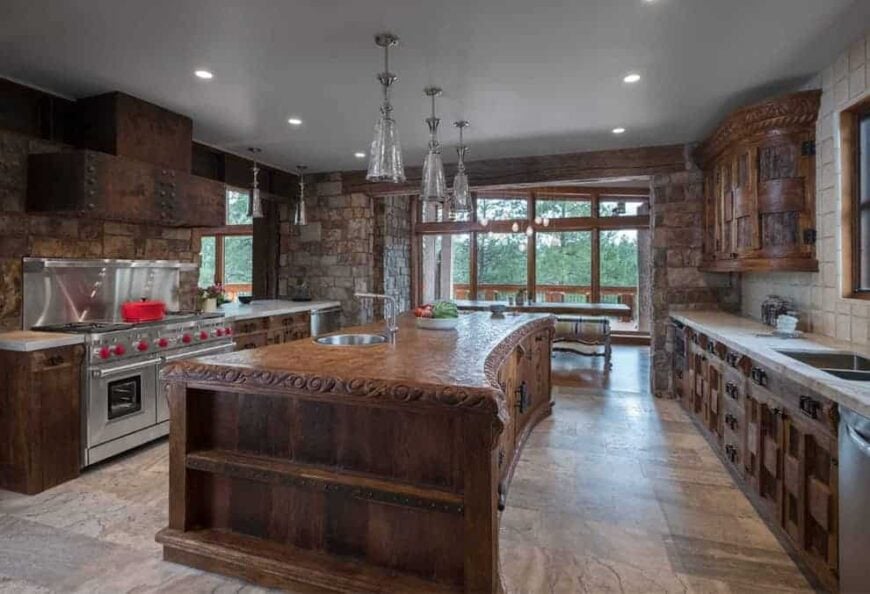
818	295
676	225
352	243
23	235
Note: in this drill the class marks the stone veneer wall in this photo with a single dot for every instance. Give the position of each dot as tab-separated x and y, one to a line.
818	295
676	225
352	242
23	235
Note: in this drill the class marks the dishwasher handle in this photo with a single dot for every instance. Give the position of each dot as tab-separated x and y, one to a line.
855	425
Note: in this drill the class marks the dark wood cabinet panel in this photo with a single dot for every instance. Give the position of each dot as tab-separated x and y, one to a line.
760	187
105	187
778	439
257	332
40	418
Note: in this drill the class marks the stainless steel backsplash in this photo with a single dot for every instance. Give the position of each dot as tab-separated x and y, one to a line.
61	291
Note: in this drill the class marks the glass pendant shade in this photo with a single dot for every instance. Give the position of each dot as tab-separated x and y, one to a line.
300	216
256	204
385	154
433	186
461	192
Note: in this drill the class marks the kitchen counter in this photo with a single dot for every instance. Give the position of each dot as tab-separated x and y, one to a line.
356	468
271	307
742	334
28	340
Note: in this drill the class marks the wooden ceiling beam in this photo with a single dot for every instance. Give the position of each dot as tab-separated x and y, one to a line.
540	170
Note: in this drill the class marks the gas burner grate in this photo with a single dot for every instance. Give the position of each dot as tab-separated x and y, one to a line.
84	327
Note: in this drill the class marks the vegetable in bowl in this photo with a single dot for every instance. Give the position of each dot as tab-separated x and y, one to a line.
440	310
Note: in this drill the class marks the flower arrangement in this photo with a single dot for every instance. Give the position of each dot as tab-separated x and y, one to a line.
212	297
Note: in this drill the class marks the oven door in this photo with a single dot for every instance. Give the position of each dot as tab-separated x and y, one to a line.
163	400
122	399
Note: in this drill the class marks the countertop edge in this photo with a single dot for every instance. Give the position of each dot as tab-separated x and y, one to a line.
843	392
29	345
486	399
277	310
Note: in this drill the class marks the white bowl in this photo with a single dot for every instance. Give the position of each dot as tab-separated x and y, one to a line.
437	323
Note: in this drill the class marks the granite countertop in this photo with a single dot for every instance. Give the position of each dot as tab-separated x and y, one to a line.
455	368
742	334
28	340
271	307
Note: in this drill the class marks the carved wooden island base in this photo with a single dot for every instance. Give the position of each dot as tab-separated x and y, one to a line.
377	468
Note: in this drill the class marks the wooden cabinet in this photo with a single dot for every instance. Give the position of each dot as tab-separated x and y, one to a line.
40	418
106	187
759	190
778	439
256	332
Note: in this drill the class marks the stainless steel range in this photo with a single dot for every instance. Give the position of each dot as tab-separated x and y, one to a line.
123	404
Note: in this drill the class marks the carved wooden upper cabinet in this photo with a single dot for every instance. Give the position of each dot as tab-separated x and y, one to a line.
759	187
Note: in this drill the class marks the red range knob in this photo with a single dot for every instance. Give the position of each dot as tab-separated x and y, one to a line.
186	338
203	335
219	332
119	349
104	352
163	343
142	346
228	331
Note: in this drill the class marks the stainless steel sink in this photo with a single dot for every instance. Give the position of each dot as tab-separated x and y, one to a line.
351	339
845	365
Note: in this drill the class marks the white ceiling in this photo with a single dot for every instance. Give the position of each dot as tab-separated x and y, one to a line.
533	76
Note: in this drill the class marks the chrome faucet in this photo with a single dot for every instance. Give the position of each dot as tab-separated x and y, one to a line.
392	323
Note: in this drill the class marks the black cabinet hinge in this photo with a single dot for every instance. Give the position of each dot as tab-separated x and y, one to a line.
810	236
808	148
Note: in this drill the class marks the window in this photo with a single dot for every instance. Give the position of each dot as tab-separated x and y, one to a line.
226	255
502	265
584	244
446	267
862	202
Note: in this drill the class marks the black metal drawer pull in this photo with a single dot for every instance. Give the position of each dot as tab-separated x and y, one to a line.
759	376
810	407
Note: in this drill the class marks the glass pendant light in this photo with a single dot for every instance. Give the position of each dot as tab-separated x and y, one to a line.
385	161
301	217
433	186
255	204
461	194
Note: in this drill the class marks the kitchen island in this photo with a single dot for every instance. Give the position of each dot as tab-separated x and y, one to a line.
356	468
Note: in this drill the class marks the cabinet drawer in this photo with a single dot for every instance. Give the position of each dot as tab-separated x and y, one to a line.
53	359
251	341
251	326
817	410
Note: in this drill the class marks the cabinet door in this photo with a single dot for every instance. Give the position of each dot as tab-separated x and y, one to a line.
725	205
786	178
714	402
752	440
770	458
810	490
56	381
745	224
711	234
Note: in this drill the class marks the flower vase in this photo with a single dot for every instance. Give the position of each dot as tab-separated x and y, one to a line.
209	304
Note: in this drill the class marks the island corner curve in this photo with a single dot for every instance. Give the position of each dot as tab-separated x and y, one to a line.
356	468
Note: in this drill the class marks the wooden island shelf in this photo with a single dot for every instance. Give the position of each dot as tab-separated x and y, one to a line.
376	468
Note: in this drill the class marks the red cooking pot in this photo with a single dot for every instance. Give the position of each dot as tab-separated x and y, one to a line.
143	311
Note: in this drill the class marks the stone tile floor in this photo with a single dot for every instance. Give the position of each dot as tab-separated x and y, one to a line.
616	492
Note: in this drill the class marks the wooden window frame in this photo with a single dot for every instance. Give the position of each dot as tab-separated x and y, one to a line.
594	223
219	233
850	188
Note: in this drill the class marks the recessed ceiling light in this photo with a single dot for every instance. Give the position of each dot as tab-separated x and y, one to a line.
618	130
631	78
294	121
360	155
204	74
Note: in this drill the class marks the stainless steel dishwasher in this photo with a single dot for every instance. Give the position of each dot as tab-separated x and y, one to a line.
326	320
854	479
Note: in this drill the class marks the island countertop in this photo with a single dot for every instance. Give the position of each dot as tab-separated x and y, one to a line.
459	365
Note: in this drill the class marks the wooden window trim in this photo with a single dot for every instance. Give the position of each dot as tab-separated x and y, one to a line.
849	197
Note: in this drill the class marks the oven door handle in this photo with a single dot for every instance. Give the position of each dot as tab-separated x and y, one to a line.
196	353
125	368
